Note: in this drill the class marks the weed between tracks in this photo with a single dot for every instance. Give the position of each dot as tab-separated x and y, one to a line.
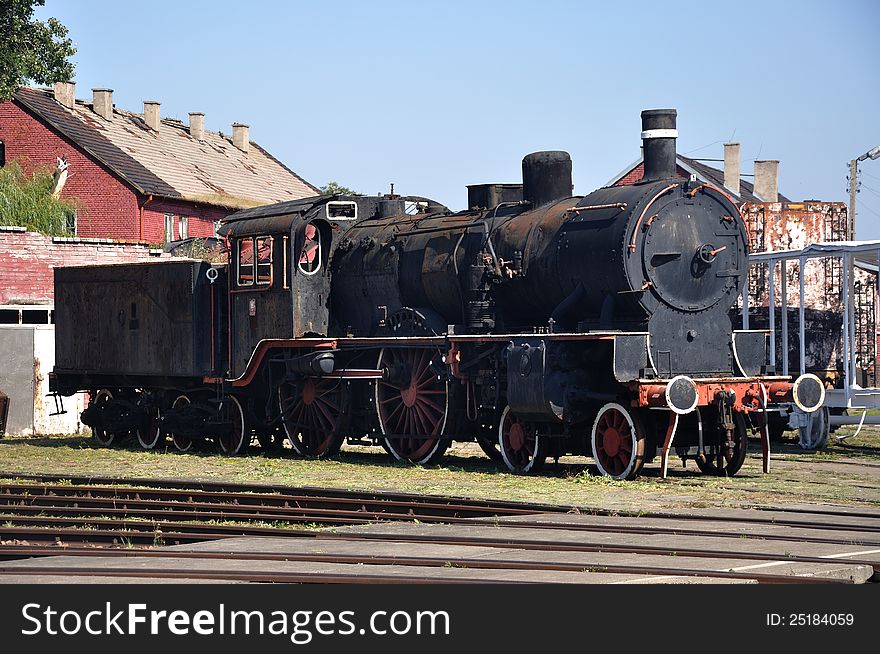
844	473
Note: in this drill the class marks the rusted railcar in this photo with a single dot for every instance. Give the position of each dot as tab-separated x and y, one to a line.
536	323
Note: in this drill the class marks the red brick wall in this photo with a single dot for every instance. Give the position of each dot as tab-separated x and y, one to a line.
108	207
200	219
27	260
639	171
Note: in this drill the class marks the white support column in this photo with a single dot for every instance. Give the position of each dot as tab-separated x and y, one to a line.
771	266
785	317
850	263
847	351
802	330
745	304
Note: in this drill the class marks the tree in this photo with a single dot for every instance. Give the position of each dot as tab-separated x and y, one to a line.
30	49
332	188
27	201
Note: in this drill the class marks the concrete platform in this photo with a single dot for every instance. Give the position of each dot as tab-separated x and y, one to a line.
103	567
592	561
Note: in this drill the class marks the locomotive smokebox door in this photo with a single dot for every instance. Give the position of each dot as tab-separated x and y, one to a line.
531	392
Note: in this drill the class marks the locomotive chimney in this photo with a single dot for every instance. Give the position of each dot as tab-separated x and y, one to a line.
658	143
546	177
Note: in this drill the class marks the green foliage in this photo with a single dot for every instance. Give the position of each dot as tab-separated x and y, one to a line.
31	49
28	202
332	188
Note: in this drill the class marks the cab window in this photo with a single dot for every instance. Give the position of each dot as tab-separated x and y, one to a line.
309	261
245	262
264	260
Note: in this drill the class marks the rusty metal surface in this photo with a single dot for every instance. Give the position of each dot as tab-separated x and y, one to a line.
775	226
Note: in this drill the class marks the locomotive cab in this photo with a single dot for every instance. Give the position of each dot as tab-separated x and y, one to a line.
279	281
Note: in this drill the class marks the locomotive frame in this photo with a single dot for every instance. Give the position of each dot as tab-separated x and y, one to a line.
537	324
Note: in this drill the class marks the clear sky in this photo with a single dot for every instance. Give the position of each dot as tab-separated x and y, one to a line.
436	95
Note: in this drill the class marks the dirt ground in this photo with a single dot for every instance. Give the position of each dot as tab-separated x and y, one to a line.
846	472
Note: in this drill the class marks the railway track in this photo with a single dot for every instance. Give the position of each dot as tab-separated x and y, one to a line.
137	521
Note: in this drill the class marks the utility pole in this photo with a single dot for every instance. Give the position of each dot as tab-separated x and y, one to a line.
853	189
873	153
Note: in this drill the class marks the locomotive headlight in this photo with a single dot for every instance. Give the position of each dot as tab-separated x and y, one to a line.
808	393
681	394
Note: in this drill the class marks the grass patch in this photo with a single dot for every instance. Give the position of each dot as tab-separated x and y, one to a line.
844	473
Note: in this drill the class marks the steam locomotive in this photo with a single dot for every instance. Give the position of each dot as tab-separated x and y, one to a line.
536	323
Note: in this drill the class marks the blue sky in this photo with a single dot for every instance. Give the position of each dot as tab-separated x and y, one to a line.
436	95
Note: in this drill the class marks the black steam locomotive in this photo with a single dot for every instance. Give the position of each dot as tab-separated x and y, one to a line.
535	323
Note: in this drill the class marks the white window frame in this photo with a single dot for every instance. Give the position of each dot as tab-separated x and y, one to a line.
317	239
169	227
253	264
75	222
341	203
183	227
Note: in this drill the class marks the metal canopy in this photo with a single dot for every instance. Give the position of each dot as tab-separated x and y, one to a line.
862	254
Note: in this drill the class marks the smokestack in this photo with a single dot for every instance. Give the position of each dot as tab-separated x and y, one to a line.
102	103
197	125
658	143
767	180
65	93
546	177
731	167
240	136
151	114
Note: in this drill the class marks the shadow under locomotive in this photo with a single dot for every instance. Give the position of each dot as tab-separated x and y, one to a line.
536	323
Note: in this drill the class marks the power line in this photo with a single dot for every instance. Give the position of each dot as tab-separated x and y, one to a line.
704	147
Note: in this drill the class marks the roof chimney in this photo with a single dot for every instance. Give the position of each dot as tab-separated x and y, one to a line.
767	180
102	102
197	125
731	167
151	114
65	93
240	137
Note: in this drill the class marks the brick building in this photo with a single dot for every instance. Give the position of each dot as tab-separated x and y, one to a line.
140	177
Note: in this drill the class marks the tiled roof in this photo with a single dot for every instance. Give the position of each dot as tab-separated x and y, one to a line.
706	174
170	163
715	176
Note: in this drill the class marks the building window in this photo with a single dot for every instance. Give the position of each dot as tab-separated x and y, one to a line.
169	227
246	262
216	228
70	222
310	255
2	154
264	260
183	227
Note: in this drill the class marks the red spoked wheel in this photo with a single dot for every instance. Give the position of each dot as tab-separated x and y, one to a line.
522	448
310	414
412	404
618	441
236	440
181	443
149	434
